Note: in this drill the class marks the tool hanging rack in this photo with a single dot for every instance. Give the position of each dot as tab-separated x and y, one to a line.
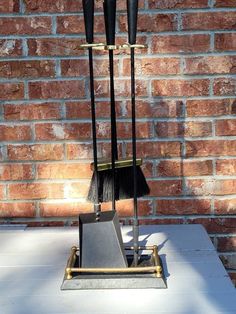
144	268
149	273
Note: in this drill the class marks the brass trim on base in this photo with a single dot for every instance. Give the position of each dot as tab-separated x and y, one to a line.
156	268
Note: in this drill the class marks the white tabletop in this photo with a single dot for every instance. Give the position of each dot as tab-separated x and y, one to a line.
32	263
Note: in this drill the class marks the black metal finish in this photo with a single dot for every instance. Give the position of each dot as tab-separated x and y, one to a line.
101	242
109	7
88	9
132	10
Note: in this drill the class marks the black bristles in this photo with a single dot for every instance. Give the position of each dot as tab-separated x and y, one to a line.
124	185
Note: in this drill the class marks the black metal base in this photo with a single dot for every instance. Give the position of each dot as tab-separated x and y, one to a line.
144	280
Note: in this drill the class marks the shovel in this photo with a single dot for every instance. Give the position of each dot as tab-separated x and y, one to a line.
101	242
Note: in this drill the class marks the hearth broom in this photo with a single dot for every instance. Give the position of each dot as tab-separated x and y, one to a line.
116	177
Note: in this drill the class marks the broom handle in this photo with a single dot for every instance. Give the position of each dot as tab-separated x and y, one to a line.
110	22
132	10
88	8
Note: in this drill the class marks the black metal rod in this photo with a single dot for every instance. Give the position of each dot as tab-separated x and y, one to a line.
135	199
109	7
114	153
94	134
88	8
132	11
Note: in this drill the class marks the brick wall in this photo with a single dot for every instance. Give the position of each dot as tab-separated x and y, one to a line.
186	110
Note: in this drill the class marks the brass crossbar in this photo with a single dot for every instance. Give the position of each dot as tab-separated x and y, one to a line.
122	163
102	46
156	268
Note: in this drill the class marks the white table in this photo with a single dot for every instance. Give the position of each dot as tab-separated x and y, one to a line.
32	263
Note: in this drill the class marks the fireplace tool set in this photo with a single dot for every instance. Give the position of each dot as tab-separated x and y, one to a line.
102	261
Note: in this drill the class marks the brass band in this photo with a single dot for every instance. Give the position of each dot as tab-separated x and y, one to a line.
101	46
106	165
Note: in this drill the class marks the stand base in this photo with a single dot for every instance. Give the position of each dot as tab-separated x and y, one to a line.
148	274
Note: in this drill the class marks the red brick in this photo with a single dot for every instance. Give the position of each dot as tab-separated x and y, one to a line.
208	107
62	131
159	109
228	260
16	172
225	42
152	23
172	168
84	151
121	5
122	88
157	149
35	152
33	111
72	209
2	193
17	210
79	151
147	169
64	209
124	130
225	3
226	167
82	109
177	4
35	190
55	47
226	127
180	129
125	207
225	206
9	6
176	87
13	69
153	66
224	86
233	277
104	150
11	91
53	6
210	65
211	187
64	171
209	21
165	187
210	148
81	67
160	221
25	25
10	47
183	207
74	24
180	43
44	223
216	225
56	89
15	132
226	244
76	190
